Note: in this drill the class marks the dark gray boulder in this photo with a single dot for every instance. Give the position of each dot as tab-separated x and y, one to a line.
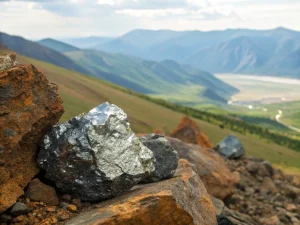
166	158
95	156
18	209
229	217
231	147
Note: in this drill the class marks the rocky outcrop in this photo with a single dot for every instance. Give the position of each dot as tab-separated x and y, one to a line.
179	200
210	166
230	217
95	156
29	106
189	132
231	147
264	193
166	158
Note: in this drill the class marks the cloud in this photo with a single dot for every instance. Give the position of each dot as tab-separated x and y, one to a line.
42	18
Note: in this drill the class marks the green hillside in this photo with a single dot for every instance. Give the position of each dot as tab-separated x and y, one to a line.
166	79
81	93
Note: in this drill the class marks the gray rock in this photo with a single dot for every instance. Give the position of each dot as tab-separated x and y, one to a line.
5	218
95	156
166	158
18	209
229	217
231	147
219	205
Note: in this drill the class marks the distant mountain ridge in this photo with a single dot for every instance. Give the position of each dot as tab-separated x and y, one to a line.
167	78
234	50
38	51
57	45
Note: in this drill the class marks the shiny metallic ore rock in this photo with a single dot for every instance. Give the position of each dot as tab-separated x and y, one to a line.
95	156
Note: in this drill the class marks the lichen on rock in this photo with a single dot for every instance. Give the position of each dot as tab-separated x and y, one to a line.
8	61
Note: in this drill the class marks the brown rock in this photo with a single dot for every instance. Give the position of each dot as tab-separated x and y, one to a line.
159	131
290	207
179	200
274	220
63	215
19	219
264	170
29	106
72	208
40	192
210	166
291	191
296	181
189	132
269	185
77	202
50	209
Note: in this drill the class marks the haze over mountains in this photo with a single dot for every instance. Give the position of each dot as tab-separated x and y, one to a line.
172	64
268	52
167	78
37	51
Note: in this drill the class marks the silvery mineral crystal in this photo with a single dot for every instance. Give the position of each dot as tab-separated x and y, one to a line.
95	156
166	158
231	147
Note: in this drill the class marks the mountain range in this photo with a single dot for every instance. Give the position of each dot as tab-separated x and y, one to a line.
267	52
35	50
167	78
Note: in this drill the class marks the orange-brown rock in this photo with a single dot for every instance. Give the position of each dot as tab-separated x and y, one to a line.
189	132
210	166
29	106
40	192
182	200
159	131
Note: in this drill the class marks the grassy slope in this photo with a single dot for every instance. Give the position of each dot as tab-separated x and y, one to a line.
80	93
164	78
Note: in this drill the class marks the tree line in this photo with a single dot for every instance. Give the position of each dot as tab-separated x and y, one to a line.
223	121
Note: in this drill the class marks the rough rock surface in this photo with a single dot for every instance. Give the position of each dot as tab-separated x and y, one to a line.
29	106
231	148
219	205
40	192
166	158
180	200
95	156
210	166
189	132
229	217
266	199
8	61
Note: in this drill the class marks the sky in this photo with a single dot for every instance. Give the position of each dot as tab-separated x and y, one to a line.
37	19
